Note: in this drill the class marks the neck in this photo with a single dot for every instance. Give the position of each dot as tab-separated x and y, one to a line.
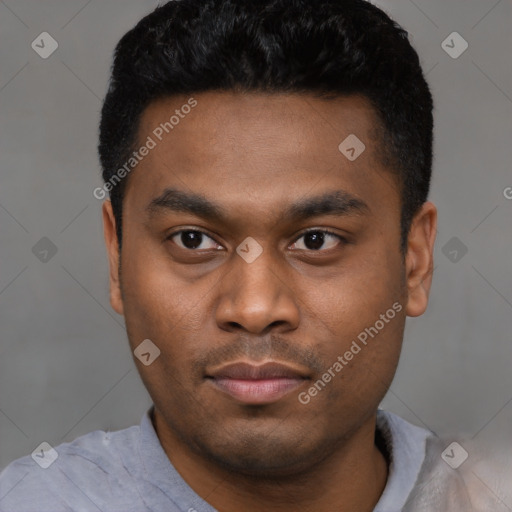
352	477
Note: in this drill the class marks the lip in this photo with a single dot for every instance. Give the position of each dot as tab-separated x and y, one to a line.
257	384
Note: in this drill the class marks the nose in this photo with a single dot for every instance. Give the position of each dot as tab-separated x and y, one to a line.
257	296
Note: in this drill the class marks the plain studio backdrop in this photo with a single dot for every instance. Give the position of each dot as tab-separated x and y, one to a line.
65	364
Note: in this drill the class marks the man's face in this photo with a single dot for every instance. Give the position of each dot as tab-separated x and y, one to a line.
208	297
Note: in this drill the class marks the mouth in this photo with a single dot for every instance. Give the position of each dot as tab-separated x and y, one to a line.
257	384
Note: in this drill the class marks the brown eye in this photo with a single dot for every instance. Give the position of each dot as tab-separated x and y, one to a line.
317	239
192	239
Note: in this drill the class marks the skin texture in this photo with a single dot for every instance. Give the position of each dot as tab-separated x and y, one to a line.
254	155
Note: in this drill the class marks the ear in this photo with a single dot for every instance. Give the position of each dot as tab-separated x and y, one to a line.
419	260
109	231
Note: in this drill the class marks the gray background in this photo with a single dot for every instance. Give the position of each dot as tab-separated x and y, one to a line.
65	365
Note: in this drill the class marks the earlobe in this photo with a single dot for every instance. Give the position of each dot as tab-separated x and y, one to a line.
419	261
109	231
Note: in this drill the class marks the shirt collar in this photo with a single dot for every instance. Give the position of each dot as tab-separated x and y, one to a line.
405	445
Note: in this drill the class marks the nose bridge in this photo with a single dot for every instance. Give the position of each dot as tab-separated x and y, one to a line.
255	296
255	275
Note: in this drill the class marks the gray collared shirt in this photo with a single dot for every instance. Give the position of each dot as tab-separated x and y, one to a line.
128	471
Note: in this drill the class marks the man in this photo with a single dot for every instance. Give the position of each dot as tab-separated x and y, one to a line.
268	231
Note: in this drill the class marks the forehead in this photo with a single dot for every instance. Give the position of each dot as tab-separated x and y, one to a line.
300	122
262	147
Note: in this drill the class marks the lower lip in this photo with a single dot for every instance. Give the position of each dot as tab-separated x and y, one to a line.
256	392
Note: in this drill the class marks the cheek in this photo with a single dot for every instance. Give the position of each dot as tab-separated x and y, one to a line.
354	296
159	305
149	289
360	363
359	315
156	309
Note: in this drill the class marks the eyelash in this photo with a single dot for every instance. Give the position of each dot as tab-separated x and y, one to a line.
342	239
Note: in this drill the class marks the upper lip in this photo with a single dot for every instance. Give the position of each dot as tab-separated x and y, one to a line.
249	371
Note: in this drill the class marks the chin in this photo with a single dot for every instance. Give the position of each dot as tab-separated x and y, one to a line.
263	454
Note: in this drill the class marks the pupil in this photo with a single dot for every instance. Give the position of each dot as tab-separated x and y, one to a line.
191	239
316	238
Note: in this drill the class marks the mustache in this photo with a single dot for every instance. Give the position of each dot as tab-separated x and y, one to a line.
258	349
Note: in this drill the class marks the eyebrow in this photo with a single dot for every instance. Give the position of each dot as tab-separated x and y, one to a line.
337	203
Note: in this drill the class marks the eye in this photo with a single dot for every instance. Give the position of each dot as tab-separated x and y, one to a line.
192	239
314	239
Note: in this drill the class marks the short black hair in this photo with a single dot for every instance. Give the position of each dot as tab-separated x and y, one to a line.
322	47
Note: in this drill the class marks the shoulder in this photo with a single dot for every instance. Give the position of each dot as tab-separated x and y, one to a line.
464	474
454	473
87	470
